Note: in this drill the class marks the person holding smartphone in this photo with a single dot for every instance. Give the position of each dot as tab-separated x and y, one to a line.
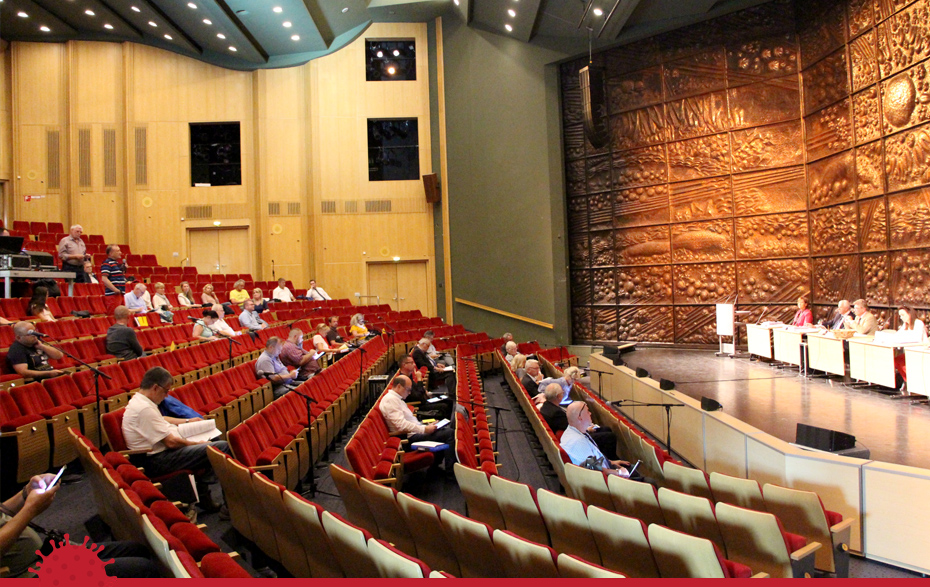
579	445
20	537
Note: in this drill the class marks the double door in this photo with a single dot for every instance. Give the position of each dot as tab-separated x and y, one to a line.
221	250
403	285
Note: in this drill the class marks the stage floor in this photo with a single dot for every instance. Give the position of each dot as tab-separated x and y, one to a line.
775	400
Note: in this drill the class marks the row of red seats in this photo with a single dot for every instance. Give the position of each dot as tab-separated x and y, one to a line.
263	440
229	396
474	446
136	509
37	227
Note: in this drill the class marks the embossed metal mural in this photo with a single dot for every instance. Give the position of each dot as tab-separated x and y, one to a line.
779	151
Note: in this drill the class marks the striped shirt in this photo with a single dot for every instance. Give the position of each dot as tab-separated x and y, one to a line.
114	271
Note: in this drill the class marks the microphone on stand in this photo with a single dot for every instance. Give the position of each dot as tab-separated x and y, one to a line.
36	333
192	319
764	310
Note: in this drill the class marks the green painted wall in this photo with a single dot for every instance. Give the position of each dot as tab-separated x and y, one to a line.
506	192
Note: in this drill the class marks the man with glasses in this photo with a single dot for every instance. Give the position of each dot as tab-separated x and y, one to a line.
29	357
400	420
145	428
581	448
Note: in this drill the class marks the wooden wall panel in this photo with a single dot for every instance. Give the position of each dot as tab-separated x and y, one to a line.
6	113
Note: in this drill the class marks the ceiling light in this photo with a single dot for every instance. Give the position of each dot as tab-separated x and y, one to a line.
597	12
295	37
44	29
22	14
509	28
396	53
207	21
169	37
380	54
456	2
277	9
346	9
397	258
135	9
512	12
220	36
152	24
391	70
108	26
233	49
192	5
89	12
286	24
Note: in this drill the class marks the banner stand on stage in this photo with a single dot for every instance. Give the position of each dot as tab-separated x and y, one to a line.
726	328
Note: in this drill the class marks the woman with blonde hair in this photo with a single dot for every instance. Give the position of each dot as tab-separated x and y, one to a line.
208	297
258	297
357	328
186	297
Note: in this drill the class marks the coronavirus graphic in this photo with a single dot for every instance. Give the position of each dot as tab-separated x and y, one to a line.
72	564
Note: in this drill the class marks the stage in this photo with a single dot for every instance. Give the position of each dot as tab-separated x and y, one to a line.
775	400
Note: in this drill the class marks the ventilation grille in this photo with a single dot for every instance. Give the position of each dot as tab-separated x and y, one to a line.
109	157
293	208
84	176
53	155
198	212
284	208
377	206
350	206
274	208
211	211
141	143
328	206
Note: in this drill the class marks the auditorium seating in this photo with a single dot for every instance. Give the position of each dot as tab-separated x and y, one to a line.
32	398
24	440
479	497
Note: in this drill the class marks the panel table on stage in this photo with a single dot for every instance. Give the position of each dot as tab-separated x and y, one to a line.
917	361
871	361
759	339
825	353
787	345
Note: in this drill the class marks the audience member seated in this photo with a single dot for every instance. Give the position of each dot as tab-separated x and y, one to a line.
317	294
160	300
440	358
581	448
843	311
205	329
804	316
89	272
221	327
566	381
186	297
270	367
293	355
400	420
122	342
19	541
511	351
28	357
250	319
518	365
135	300
865	322
258	298
37	305
282	292
507	338
73	252
320	343
144	428
912	329
532	377
332	336
357	328
554	415
207	297
422	360
113	272
419	395
238	295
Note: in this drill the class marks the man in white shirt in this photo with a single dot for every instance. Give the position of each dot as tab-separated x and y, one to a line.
400	420
220	326
580	446
317	294
144	428
282	292
135	300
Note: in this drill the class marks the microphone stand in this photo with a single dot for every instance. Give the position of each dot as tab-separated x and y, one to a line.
231	341
600	395
668	415
311	474
497	412
97	375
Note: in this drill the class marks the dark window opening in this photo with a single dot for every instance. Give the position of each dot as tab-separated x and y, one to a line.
390	60
216	156
393	149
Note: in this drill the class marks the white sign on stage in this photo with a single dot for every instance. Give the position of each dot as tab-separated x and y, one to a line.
725	320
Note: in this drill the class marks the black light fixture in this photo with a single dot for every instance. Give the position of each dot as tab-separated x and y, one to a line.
640	372
710	405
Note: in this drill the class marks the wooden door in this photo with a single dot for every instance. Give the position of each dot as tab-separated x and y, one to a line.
412	288
204	247
382	282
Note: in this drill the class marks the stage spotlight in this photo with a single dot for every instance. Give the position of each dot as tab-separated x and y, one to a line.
666	385
710	405
640	372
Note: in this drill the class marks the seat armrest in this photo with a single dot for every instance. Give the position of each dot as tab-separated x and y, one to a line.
802	561
844	525
839	535
140	451
760	576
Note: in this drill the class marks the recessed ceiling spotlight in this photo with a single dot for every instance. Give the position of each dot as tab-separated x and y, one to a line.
277	9
286	24
108	26
22	14
152	24
89	12
295	37
192	5
380	54
233	49
135	9
207	21
509	28
391	70
597	12
512	12
169	37
220	36
396	53
456	2
45	29
346	9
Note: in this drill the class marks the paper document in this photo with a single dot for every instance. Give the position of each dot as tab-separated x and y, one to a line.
429	445
199	431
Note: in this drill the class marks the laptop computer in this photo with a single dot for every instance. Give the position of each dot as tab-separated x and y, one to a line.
11	245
